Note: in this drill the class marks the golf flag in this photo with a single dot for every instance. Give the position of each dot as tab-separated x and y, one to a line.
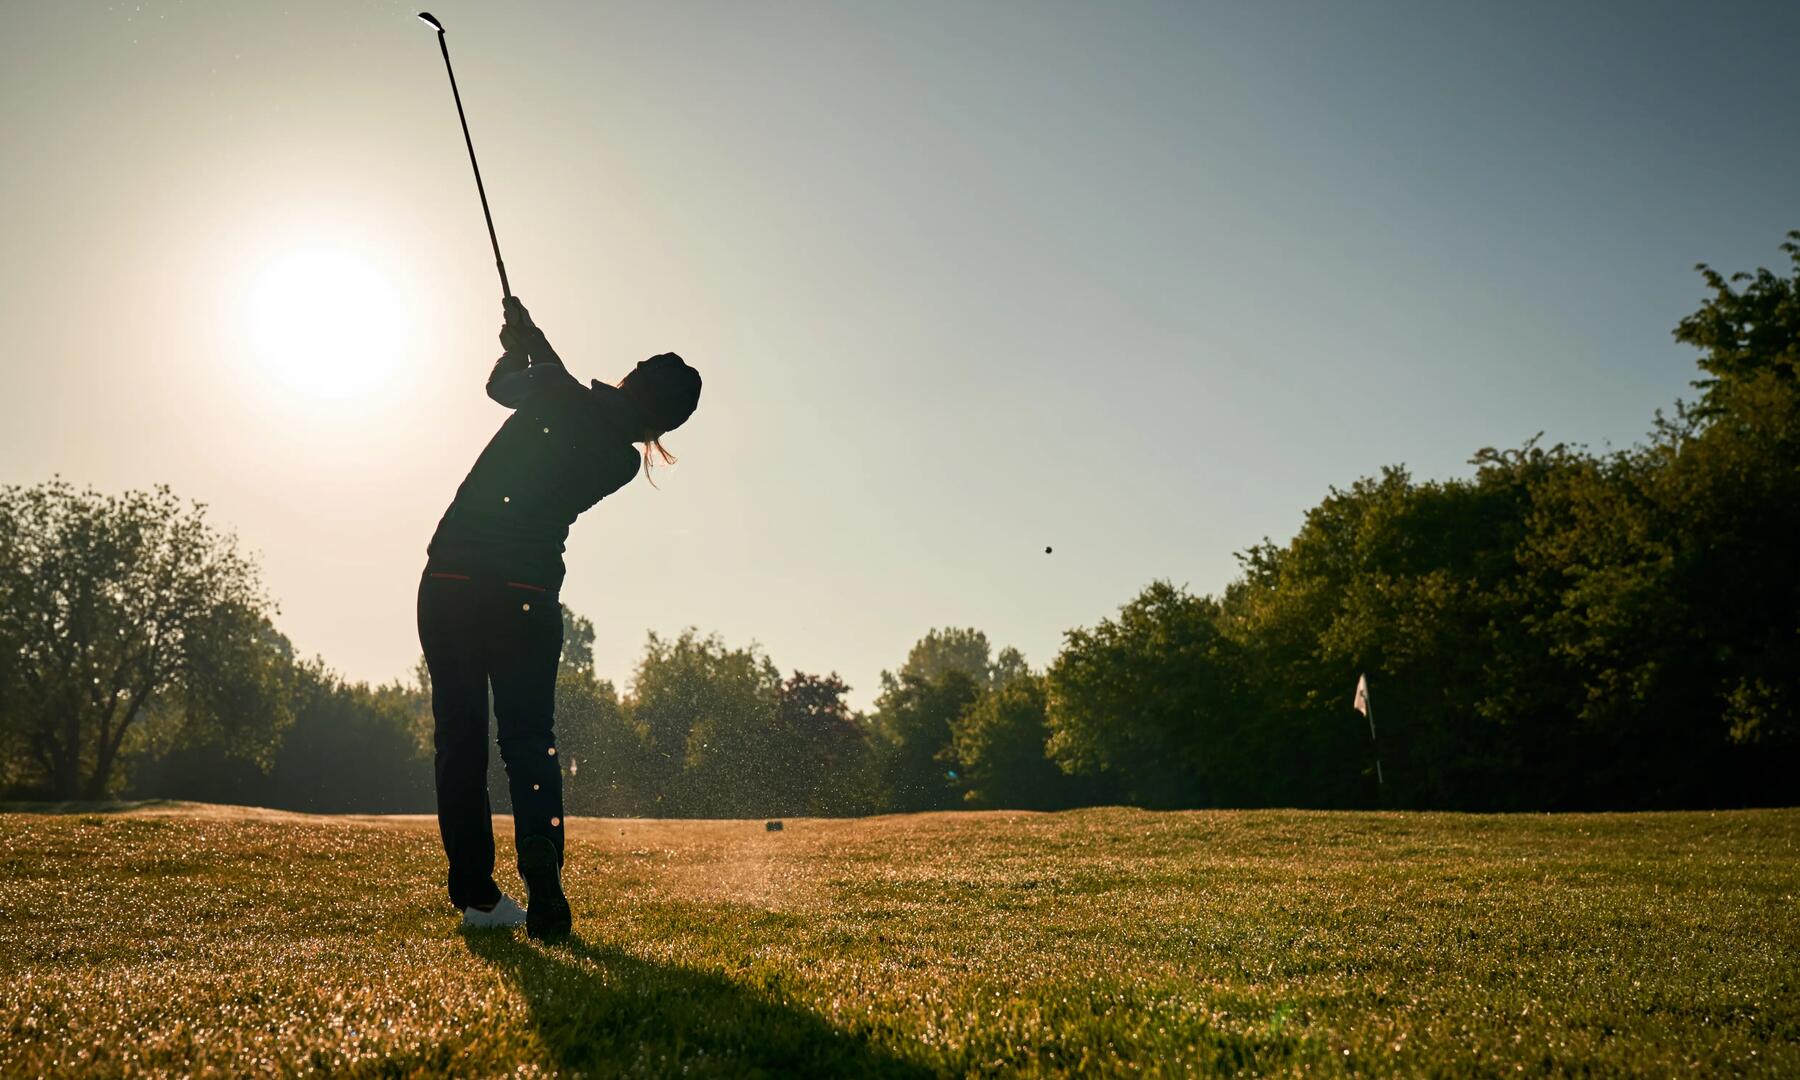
1361	704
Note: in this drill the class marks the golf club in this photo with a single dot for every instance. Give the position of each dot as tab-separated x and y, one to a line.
431	20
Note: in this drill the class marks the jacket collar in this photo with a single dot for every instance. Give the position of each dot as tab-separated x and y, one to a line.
616	409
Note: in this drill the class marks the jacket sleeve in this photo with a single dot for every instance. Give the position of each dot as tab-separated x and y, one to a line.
517	376
508	365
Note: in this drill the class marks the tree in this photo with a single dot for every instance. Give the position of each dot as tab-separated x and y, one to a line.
1745	335
1734	482
1001	742
1676	595
1562	630
953	648
830	767
606	753
709	713
128	618
963	649
351	748
1149	702
945	671
577	658
1416	585
915	763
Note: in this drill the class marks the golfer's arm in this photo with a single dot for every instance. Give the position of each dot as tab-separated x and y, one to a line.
501	382
541	352
515	380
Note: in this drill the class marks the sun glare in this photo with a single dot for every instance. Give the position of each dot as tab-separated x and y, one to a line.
324	324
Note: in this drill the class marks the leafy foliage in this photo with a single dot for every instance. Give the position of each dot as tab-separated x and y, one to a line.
1143	700
1562	630
127	618
1001	740
915	760
351	748
829	750
731	738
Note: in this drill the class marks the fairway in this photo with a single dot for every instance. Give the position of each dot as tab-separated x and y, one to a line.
185	939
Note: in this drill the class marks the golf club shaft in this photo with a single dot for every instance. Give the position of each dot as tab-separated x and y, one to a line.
444	47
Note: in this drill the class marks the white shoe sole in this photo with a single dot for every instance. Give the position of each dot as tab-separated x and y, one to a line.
506	914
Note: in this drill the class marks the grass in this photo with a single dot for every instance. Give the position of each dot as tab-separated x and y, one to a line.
196	940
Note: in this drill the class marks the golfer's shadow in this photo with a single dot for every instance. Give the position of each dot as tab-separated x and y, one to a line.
602	1012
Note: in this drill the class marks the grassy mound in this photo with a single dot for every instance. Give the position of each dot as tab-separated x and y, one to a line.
178	939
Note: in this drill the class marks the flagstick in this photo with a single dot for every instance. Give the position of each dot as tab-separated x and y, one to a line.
1365	703
1380	781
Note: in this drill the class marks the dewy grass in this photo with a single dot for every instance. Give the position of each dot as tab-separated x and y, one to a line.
190	940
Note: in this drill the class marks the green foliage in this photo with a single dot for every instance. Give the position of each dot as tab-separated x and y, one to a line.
1561	630
915	763
577	659
710	714
1001	740
607	755
715	732
940	652
1149	702
1745	334
127	620
957	648
351	748
830	762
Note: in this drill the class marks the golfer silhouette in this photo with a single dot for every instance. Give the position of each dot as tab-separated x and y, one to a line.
488	609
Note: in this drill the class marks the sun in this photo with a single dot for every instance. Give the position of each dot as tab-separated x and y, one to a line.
323	323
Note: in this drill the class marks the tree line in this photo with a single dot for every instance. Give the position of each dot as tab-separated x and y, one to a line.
1561	629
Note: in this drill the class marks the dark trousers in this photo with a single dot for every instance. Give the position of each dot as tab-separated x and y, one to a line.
478	631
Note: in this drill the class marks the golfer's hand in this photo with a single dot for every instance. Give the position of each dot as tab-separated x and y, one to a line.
519	333
516	315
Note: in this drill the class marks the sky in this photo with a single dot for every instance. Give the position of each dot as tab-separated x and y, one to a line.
1136	282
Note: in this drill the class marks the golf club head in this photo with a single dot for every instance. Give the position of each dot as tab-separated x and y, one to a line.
432	20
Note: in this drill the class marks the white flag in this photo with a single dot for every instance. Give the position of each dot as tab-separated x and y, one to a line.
1361	704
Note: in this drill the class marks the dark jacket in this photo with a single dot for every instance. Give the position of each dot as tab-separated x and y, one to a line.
565	447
